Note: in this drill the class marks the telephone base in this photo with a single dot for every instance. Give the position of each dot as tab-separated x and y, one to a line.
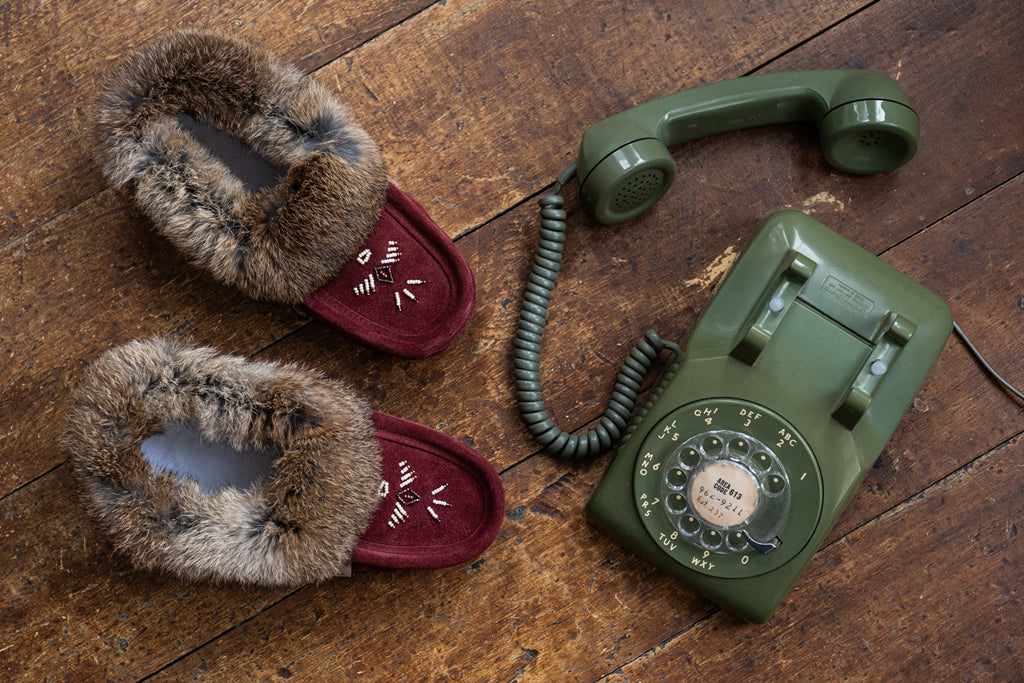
795	377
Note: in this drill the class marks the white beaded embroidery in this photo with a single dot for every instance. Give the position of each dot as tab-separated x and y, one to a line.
391	255
384	275
408	476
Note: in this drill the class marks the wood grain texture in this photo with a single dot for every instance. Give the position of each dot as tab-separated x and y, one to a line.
478	104
512	89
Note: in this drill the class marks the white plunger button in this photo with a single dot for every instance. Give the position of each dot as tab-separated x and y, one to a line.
776	304
879	368
724	493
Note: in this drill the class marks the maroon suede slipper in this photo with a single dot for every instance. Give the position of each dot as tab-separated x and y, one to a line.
408	291
215	468
442	503
261	177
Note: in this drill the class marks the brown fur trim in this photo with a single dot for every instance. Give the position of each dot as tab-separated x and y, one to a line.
298	524
280	243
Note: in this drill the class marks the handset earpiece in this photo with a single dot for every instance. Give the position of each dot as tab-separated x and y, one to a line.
870	126
865	121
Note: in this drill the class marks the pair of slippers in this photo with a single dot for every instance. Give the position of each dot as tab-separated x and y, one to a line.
215	468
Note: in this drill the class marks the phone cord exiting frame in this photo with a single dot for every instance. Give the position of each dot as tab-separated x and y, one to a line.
615	423
985	364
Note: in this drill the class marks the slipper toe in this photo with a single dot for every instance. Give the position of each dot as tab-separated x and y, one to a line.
442	503
408	291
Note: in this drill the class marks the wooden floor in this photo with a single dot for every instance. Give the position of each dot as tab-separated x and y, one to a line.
478	104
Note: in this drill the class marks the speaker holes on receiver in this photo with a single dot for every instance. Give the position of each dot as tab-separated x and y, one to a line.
870	139
637	190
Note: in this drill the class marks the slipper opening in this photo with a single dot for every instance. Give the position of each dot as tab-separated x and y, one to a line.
254	170
184	451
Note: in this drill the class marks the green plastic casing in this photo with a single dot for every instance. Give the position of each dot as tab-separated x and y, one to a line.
823	346
865	122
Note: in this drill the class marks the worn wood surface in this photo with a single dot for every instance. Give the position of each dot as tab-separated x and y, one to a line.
478	104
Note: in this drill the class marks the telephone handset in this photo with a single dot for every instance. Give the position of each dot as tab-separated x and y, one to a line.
865	121
741	459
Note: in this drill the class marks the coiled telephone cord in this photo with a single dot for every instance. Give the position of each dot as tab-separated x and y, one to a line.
615	423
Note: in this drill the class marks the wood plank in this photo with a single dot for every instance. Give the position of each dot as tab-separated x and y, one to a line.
928	591
56	53
970	259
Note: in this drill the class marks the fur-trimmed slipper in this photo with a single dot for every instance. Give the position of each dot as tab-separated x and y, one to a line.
261	177
215	468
